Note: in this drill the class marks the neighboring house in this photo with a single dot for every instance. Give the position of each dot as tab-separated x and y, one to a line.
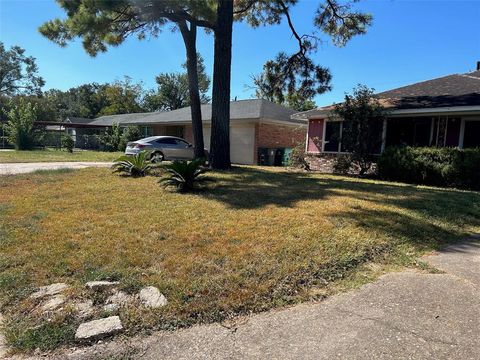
260	131
443	112
80	129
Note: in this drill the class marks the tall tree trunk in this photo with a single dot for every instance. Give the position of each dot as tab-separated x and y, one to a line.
190	39
220	137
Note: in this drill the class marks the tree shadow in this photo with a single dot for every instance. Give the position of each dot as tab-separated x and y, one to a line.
249	188
423	216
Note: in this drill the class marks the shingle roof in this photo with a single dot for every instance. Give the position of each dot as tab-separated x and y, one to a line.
446	91
78	120
255	109
108	120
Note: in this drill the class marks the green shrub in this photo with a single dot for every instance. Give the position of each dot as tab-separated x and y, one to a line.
130	133
68	143
298	157
185	175
111	138
432	166
136	165
20	126
343	163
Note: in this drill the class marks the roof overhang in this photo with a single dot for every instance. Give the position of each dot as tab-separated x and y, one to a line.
453	110
457	110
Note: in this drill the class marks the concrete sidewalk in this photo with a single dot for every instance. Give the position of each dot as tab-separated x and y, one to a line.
407	315
22	168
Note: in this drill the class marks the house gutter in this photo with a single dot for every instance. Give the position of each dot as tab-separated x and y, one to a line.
457	110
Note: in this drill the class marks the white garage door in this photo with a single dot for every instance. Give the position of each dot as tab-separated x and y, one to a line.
242	142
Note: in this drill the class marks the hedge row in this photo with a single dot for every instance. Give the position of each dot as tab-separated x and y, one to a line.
432	166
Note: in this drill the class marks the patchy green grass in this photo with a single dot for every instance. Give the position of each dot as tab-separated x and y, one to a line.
52	155
260	238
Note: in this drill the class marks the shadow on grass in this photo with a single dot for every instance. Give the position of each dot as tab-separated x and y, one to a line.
424	216
251	188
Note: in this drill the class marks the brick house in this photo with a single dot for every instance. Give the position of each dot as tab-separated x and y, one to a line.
443	112
261	132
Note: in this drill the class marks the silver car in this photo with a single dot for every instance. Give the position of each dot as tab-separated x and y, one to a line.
163	148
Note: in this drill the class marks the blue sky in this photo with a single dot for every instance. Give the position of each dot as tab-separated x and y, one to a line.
409	41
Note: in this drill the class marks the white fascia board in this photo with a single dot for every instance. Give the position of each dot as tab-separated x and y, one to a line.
460	110
285	123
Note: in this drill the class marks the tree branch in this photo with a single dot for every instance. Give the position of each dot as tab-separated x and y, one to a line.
246	8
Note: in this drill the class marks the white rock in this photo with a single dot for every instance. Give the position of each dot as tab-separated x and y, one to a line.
119	298
110	307
96	329
101	285
151	297
84	308
54	303
49	290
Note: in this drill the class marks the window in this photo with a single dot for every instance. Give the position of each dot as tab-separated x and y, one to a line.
471	137
182	143
332	136
146	130
167	141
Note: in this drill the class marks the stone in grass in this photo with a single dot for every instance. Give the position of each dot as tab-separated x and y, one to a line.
54	302
101	285
100	328
151	297
49	290
119	298
84	308
109	308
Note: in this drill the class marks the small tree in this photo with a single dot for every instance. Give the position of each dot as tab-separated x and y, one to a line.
363	116
20	126
111	138
130	133
68	143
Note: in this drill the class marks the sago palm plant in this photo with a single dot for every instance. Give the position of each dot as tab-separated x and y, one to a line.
185	175
136	165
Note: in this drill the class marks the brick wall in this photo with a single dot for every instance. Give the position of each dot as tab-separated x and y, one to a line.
278	136
325	163
322	162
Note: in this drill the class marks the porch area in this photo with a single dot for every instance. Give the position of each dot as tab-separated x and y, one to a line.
325	136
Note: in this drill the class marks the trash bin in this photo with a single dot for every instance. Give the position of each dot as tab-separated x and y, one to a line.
287	154
262	156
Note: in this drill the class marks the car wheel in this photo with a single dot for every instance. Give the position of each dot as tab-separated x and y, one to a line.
157	157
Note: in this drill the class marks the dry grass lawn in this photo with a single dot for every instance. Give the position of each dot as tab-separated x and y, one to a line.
261	238
51	155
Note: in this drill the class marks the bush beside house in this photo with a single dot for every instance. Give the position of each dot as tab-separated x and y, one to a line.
432	166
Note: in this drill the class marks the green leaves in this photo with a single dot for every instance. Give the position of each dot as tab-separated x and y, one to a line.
103	23
137	165
294	79
185	176
173	91
18	73
20	125
341	21
362	115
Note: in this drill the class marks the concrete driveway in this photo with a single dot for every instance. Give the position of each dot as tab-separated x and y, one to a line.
405	315
22	168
